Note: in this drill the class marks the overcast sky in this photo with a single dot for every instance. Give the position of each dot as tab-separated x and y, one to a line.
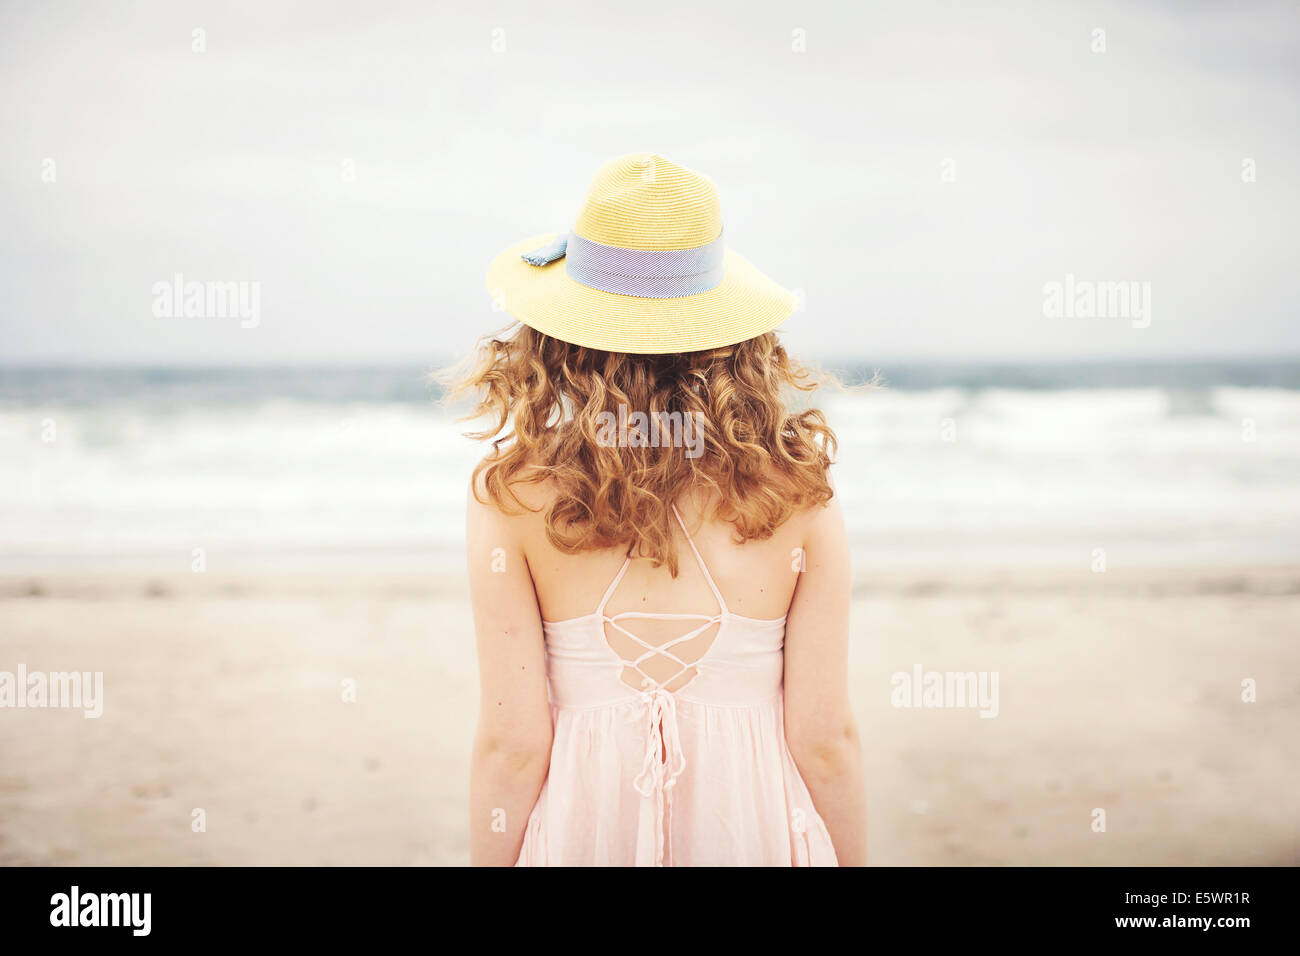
364	167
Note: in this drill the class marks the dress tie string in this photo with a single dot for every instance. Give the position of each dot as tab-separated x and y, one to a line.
664	760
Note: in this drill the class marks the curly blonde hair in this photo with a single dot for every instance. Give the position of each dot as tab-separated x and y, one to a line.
553	404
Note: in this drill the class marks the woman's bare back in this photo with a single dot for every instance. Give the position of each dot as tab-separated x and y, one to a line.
757	578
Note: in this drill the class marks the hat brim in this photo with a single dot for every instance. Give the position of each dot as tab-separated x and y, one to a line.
745	304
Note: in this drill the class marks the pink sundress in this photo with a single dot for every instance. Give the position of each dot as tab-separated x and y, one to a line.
697	776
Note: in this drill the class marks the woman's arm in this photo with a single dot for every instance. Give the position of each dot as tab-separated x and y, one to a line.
819	723
512	744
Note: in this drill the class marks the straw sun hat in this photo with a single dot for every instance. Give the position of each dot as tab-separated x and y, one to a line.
644	269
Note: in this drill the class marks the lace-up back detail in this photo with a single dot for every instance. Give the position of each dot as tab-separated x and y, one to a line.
661	666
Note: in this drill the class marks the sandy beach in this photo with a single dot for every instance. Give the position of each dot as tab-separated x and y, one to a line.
1119	691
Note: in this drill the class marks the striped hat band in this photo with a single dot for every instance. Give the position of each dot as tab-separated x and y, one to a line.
646	273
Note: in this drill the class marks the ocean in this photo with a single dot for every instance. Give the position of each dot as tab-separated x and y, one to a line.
1074	465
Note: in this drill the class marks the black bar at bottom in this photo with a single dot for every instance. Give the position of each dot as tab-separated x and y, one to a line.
333	906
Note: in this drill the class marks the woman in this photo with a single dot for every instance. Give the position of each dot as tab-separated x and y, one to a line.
657	561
